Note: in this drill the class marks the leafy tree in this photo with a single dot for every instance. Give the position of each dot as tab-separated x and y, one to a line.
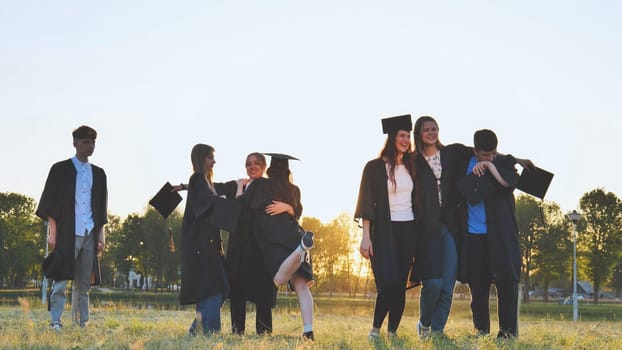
144	243
125	245
330	255
552	247
616	281
601	236
21	239
112	230
528	219
155	252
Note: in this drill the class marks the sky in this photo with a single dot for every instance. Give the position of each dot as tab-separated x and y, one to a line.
309	78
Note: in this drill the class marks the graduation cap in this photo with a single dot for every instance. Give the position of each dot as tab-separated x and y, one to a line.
280	160
535	181
53	264
165	201
393	124
476	188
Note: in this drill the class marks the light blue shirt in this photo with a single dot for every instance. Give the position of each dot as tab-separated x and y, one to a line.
476	213
84	187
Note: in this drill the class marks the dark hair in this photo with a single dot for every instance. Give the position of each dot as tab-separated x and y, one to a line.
485	140
84	132
417	133
282	187
389	154
198	155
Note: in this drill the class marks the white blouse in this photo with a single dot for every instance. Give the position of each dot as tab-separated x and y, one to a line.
437	168
400	194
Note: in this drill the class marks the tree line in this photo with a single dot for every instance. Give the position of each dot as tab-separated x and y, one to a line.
147	244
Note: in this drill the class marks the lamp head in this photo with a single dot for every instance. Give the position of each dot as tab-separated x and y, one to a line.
574	216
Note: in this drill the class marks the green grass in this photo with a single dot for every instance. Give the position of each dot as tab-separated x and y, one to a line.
340	323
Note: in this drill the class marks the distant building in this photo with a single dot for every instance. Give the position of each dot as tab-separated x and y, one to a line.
137	281
585	287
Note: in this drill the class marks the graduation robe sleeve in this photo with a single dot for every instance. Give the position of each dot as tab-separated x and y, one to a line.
365	204
202	198
49	203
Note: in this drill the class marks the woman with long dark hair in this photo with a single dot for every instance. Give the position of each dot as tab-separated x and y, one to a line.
283	244
385	206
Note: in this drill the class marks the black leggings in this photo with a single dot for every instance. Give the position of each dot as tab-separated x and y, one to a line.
392	298
391	301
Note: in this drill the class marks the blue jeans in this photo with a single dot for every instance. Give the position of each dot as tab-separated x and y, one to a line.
436	293
208	313
84	255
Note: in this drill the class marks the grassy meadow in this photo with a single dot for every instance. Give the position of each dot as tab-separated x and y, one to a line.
339	324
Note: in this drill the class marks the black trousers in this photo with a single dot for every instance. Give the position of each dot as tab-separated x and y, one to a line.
479	283
263	316
392	299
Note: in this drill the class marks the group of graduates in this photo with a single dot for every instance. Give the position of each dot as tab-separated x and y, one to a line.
430	216
267	248
437	214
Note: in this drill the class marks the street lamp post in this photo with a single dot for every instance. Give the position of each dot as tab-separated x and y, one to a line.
574	217
44	285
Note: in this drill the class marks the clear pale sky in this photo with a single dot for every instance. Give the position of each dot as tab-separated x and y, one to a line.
308	78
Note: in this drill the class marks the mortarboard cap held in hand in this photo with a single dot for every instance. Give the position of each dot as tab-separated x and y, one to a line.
280	160
53	265
393	124
535	181
165	201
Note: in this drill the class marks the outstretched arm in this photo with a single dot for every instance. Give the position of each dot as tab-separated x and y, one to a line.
180	187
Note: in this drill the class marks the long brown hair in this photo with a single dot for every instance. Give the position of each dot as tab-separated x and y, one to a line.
418	130
389	154
197	156
282	187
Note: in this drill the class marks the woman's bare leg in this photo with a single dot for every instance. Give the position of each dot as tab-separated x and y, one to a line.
294	260
305	300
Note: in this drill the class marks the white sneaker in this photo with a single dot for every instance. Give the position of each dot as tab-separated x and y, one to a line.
56	326
373	334
423	331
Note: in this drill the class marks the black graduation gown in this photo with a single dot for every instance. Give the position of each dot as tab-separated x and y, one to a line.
277	235
373	205
58	202
503	242
202	257
430	215
244	262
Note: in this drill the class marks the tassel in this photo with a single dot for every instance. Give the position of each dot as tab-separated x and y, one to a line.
171	242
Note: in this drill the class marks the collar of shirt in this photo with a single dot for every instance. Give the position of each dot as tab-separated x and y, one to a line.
80	165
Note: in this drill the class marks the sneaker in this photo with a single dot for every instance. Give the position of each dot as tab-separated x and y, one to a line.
506	335
56	326
422	331
81	324
391	335
306	242
308	336
373	334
